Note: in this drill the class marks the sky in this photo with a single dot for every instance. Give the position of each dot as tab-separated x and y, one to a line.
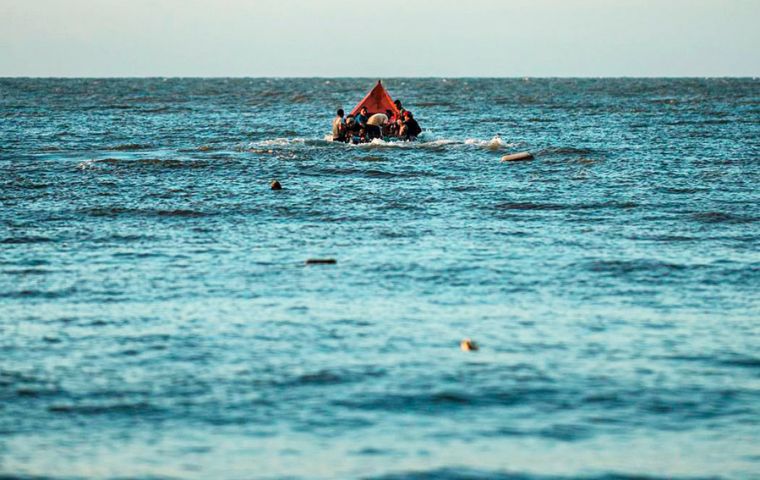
386	38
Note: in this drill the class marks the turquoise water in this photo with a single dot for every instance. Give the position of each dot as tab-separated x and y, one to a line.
157	318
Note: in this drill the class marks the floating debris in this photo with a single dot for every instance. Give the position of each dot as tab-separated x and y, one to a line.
517	156
321	261
468	345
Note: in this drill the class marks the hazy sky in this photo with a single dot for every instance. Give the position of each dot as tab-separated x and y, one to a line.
382	38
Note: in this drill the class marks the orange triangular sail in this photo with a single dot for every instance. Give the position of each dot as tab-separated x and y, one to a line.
377	101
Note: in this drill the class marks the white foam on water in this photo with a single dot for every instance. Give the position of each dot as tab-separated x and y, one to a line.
272	144
439	142
419	143
496	143
380	143
86	164
278	142
423	141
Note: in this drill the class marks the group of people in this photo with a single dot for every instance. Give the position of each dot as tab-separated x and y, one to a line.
363	127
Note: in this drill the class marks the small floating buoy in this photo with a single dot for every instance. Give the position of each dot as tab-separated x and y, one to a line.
517	156
468	345
275	185
321	261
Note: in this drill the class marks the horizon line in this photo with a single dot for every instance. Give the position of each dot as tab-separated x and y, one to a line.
320	77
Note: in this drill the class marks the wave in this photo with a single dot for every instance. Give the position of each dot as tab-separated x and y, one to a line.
372	173
424	141
143	162
449	473
529	206
129	147
424	144
741	361
38	294
443	400
428	142
27	271
200	148
631	267
123	238
27	239
722	217
566	151
495	143
34	186
119	211
564	206
334	376
279	142
102	409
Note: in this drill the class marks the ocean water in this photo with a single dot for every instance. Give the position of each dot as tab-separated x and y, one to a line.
157	318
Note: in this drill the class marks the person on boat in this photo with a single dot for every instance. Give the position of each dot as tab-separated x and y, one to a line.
375	125
363	116
352	129
400	108
350	123
360	137
410	129
390	129
339	127
398	120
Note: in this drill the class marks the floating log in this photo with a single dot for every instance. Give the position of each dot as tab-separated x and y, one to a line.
321	261
517	156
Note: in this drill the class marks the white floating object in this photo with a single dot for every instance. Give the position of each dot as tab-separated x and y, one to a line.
517	156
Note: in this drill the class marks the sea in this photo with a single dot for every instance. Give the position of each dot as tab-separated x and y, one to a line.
159	320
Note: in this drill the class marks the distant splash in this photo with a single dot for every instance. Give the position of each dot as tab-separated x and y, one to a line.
495	143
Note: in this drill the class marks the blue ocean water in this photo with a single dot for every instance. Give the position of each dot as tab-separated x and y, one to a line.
157	318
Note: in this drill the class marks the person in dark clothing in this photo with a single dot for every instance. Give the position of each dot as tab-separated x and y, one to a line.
410	129
352	129
363	116
390	129
373	131
351	125
400	109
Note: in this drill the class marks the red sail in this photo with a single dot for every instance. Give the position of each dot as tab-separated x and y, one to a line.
377	101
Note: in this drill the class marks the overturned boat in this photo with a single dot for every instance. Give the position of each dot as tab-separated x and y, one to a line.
377	101
384	119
